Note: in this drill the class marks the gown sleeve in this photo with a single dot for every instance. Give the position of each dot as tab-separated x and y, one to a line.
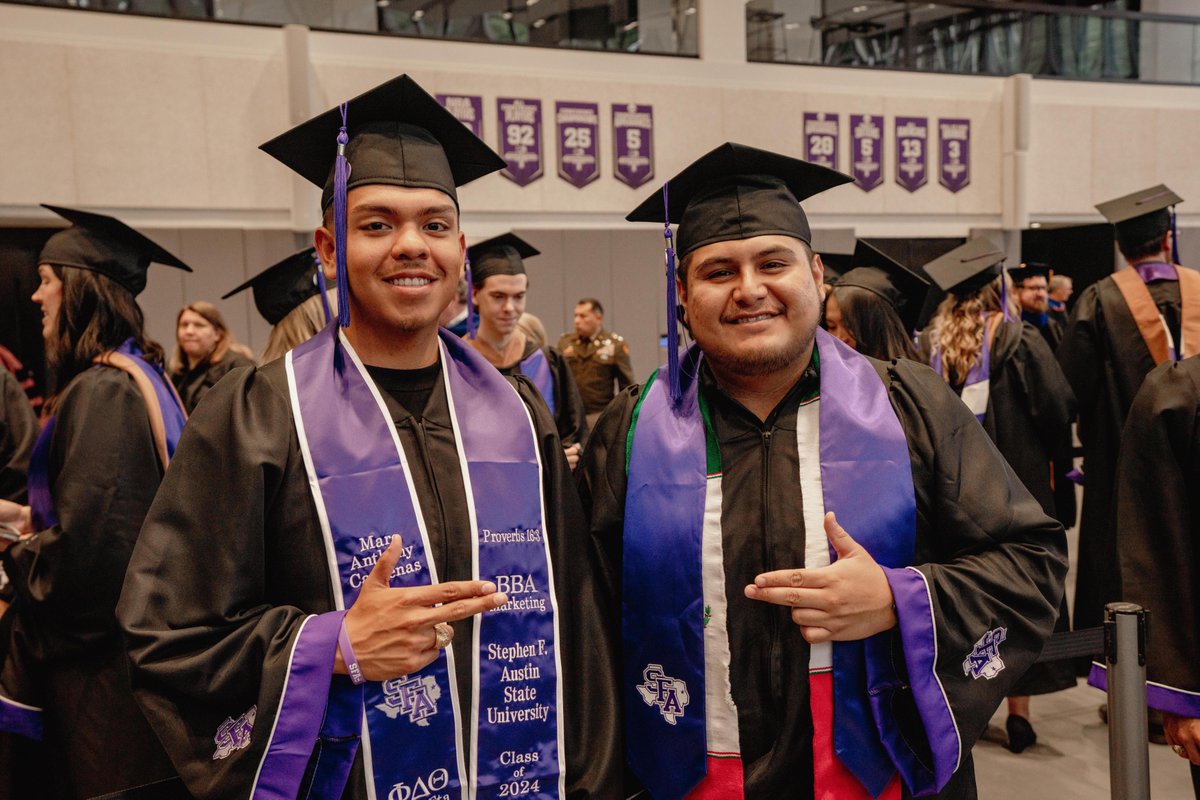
211	645
18	431
1079	354
982	596
570	415
594	755
1046	392
1157	475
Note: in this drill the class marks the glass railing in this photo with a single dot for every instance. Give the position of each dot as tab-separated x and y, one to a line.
1099	41
660	27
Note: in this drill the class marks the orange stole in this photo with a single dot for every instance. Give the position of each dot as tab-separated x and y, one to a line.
1145	312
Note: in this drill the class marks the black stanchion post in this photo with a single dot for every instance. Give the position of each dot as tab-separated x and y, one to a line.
1125	654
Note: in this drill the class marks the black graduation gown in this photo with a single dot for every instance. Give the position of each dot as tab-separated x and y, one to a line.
232	559
64	651
570	418
193	384
1030	408
1105	360
18	431
991	556
1158	514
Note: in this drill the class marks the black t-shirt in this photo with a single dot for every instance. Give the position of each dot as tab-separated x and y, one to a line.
408	387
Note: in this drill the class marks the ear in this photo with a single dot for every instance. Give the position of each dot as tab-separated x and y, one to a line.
326	249
818	269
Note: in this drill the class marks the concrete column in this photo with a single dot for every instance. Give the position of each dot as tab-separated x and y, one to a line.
722	29
305	213
1018	115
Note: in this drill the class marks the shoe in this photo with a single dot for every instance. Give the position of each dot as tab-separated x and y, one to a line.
1020	733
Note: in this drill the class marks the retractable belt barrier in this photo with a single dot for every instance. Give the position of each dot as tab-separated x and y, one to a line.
1122	642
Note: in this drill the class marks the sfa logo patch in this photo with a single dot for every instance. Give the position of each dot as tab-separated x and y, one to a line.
984	659
414	696
234	734
669	694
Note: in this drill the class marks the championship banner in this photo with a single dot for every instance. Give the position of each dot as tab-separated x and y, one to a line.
468	109
520	124
954	152
912	148
578	126
633	143
866	155
821	138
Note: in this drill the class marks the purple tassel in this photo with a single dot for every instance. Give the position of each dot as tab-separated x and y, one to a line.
672	301
470	302
341	176
323	287
1174	239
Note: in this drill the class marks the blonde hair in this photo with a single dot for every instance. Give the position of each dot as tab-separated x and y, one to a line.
533	329
301	324
225	343
958	325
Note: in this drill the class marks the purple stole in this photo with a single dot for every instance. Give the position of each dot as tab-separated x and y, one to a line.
537	369
411	727
671	454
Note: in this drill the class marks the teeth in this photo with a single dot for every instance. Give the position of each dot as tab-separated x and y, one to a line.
748	320
410	281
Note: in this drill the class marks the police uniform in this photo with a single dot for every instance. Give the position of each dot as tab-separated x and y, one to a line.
597	362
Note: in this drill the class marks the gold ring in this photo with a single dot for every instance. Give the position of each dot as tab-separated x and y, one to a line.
443	634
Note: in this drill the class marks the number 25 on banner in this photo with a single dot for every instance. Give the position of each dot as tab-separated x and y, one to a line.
578	132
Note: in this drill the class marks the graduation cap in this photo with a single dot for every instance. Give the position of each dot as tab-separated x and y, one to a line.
500	255
1029	269
106	245
730	193
875	272
738	192
836	265
966	267
1142	216
395	134
281	287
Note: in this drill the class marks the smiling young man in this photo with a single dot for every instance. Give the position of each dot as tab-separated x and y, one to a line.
752	667
501	287
358	579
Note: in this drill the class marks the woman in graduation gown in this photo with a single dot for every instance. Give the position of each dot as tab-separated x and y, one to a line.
1158	474
875	305
205	352
106	438
1005	373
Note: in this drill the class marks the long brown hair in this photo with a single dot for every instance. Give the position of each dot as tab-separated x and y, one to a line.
958	325
96	315
225	342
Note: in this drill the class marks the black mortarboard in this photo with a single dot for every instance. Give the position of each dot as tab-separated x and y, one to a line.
281	287
500	255
903	289
398	135
737	192
1029	269
1141	216
966	267
105	245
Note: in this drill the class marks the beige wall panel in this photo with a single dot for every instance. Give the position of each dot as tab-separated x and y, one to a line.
246	101
140	133
164	294
633	309
1060	170
769	120
218	258
37	157
982	195
260	250
546	280
590	274
1124	158
1175	142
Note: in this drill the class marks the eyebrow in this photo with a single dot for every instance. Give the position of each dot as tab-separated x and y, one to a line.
726	260
391	211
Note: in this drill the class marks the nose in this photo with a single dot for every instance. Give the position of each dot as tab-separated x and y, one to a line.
749	287
409	244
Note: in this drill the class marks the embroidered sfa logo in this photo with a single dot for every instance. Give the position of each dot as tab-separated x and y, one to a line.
984	660
234	734
669	694
413	696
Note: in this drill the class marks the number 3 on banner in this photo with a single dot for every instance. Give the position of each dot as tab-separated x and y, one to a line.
577	138
520	135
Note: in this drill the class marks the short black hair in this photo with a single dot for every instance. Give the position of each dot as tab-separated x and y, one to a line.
594	303
1143	237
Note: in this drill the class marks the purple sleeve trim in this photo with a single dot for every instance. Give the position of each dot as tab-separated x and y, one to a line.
298	721
1179	702
918	635
20	719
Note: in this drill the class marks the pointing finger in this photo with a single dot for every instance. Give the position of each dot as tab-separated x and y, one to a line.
439	593
461	609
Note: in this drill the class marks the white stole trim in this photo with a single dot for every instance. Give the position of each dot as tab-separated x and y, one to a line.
812	500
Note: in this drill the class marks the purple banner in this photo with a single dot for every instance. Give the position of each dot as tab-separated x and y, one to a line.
633	143
866	155
520	123
821	138
954	150
912	148
467	108
578	127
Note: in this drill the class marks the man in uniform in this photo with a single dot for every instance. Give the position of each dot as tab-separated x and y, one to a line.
305	609
752	667
597	357
1121	327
